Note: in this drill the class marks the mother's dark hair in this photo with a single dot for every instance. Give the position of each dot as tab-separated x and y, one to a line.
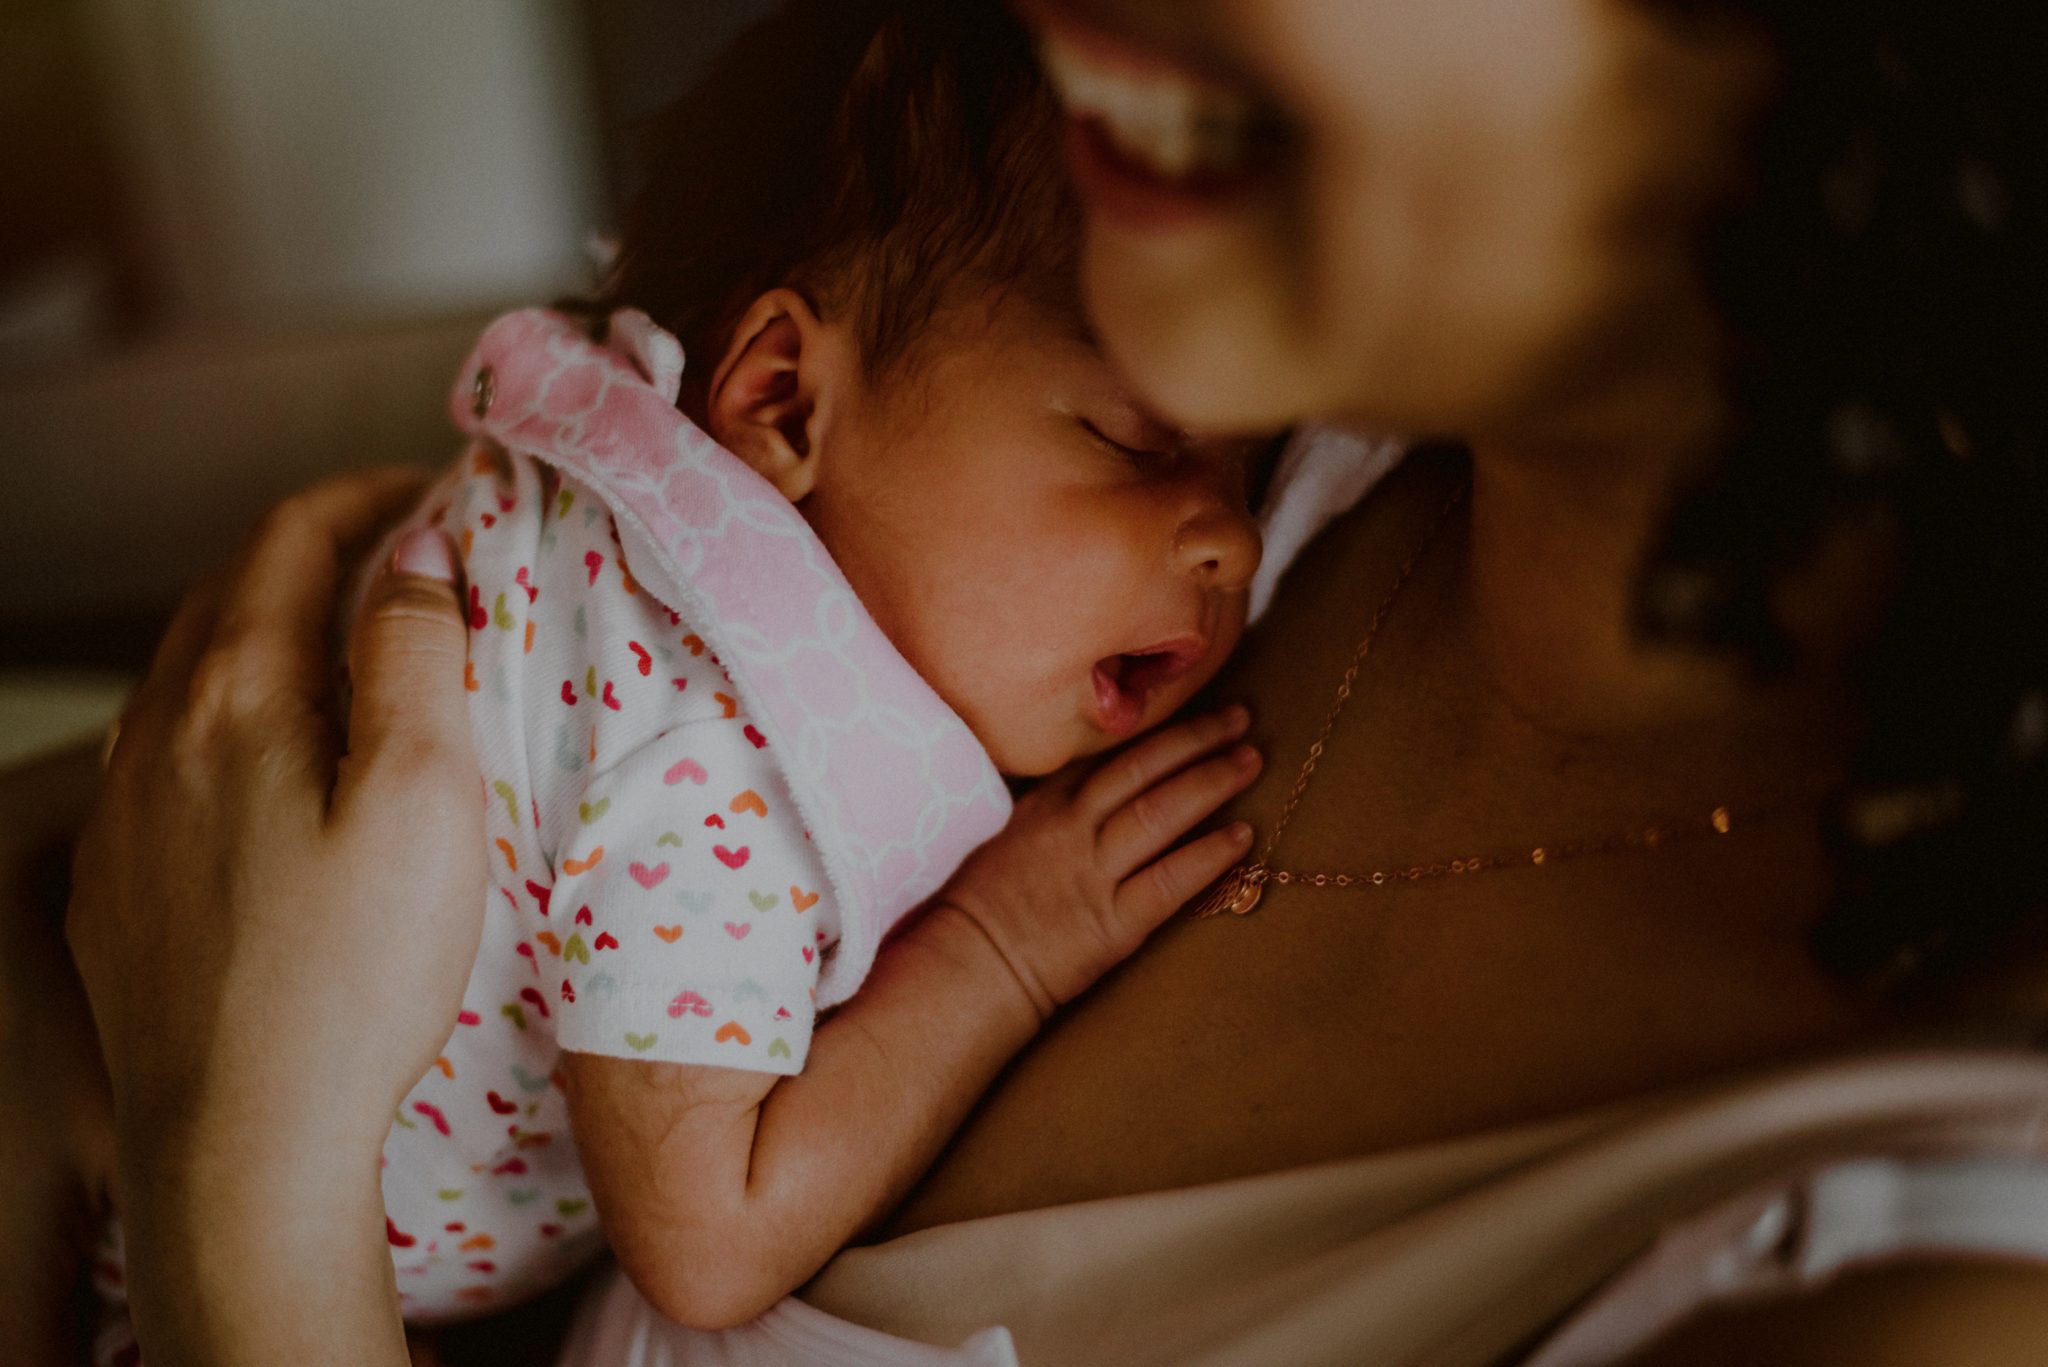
1885	282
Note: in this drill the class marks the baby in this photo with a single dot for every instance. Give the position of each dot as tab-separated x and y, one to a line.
744	684
754	644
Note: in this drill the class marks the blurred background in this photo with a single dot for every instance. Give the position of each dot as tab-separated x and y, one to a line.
244	243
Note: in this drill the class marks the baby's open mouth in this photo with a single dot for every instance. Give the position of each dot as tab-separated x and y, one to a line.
1124	682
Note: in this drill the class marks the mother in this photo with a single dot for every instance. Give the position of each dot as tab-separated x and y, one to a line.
1735	314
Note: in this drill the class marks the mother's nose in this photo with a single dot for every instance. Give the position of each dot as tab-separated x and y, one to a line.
1218	543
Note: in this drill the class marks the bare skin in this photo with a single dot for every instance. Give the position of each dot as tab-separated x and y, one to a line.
1443	1014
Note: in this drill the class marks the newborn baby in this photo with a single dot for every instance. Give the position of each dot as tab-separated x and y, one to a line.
743	691
741	701
755	644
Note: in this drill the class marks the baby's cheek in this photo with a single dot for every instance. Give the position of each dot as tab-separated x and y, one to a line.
1008	711
1018	681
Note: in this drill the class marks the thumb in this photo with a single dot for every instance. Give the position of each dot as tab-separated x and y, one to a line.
408	656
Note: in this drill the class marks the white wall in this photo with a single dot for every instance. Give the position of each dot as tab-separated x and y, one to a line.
336	194
319	160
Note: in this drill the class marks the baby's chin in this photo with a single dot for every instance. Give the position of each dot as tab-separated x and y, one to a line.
1031	748
1030	752
1035	756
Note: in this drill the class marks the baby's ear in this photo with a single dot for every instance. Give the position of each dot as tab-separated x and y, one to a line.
770	400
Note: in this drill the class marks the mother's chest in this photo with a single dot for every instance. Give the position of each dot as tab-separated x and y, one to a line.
1330	1023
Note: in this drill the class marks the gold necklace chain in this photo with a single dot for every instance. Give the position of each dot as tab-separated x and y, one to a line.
1239	891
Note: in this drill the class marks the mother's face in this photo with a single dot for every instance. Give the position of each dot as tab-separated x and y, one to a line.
1434	216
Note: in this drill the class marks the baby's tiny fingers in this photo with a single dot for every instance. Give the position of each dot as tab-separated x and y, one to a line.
1153	758
1164	886
1153	820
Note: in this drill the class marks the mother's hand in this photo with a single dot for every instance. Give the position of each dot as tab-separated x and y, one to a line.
274	925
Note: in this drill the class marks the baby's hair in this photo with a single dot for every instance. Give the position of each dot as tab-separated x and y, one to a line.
880	157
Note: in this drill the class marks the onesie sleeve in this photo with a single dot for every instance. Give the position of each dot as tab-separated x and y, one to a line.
690	908
670	904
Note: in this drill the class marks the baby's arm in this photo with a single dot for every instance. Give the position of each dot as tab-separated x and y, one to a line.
723	1190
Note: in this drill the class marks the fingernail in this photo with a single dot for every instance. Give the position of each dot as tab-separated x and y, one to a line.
1245	757
1237	716
425	551
1241	833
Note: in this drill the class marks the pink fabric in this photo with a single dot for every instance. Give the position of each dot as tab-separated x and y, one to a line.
893	787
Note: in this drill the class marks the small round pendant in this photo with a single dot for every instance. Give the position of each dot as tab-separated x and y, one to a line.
1237	894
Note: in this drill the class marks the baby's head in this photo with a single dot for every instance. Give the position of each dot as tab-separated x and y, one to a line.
859	228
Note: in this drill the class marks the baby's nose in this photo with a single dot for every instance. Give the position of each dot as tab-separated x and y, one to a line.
1220	546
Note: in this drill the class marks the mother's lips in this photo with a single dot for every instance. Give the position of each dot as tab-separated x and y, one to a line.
1152	141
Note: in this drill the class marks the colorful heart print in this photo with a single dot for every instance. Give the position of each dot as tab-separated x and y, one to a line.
685	769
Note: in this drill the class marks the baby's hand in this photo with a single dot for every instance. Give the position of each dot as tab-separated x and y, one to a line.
1087	867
